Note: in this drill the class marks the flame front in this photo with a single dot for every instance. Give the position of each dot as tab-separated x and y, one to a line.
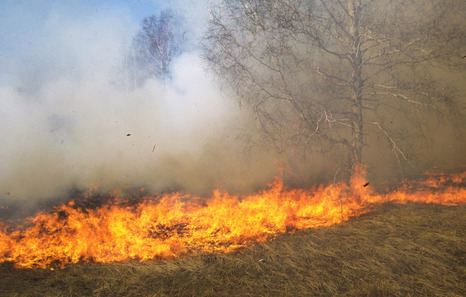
176	224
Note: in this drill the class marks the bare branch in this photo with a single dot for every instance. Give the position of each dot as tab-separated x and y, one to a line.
395	148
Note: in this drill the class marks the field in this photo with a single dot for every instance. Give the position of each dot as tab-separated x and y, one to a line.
396	250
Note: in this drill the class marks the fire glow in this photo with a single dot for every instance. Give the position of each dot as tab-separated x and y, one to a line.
175	224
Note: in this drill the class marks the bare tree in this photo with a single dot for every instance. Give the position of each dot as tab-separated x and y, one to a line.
160	39
334	75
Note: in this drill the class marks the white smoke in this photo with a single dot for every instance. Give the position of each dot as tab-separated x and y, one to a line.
66	122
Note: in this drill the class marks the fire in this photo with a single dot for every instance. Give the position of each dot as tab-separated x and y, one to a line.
175	224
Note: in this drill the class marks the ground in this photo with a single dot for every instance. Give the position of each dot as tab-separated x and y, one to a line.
396	250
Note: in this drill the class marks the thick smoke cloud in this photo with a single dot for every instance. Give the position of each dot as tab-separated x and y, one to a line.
65	121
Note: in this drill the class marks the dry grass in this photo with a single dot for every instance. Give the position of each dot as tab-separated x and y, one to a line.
398	250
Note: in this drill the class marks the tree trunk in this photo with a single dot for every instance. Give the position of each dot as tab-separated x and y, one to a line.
357	124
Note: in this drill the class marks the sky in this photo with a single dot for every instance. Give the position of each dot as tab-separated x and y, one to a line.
66	122
33	30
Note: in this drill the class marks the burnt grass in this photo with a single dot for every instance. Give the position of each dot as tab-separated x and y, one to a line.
396	250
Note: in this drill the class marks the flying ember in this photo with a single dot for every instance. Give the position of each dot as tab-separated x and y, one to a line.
175	224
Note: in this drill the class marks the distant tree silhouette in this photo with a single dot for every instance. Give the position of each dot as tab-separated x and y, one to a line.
160	39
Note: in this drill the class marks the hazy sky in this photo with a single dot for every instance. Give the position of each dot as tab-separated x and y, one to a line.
34	30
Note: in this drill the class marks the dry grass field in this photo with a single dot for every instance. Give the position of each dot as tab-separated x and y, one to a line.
397	250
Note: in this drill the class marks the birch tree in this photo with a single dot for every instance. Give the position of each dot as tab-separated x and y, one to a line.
330	76
160	39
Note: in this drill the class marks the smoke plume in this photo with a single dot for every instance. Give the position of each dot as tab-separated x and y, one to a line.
66	122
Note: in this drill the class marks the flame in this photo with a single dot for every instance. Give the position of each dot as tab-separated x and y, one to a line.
176	224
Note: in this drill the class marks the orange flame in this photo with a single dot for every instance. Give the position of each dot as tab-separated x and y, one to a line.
176	224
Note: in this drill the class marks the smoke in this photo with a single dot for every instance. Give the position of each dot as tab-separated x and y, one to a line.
65	122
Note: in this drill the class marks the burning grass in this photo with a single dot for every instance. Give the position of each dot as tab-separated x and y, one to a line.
339	239
396	250
173	225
